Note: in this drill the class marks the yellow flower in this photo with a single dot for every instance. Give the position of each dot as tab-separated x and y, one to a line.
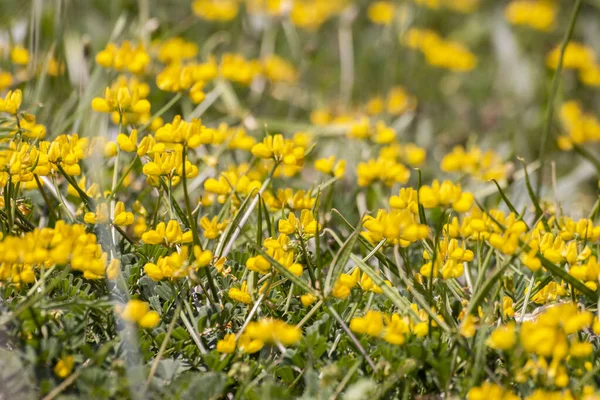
371	324
306	226
241	294
122	217
468	326
248	345
216	10
139	312
64	366
128	143
227	344
128	56
11	102
212	227
537	14
381	12
122	101
19	55
273	330
503	338
308	299
279	149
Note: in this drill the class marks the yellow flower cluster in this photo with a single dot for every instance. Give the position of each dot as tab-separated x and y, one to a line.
257	334
177	265
482	165
381	12
397	227
230	182
306	226
537	14
138	312
396	102
281	250
439	52
190	78
121	101
280	150
462	6
127	57
553	335
450	259
331	166
489	391
175	50
580	127
287	198
170	234
385	170
578	57
62	245
446	194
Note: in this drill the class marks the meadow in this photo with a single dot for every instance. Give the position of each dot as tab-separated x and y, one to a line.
316	199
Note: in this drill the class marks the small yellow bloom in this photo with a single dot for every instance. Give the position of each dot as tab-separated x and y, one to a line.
64	366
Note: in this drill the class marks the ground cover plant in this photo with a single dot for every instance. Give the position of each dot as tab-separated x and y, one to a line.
319	199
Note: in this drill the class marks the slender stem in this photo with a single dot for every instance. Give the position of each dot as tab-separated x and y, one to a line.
352	337
553	91
67	382
164	343
193	333
310	314
45	197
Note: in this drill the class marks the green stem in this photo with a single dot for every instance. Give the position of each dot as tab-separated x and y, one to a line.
553	91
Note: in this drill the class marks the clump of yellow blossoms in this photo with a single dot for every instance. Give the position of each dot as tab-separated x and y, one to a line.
580	127
578	57
128	56
439	52
482	165
257	334
138	312
537	14
282	251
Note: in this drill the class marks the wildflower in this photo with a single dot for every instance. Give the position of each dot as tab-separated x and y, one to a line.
330	166
489	390
11	102
215	10
227	344
122	217
127	143
122	101
503	338
445	194
308	299
19	55
248	345
468	326
139	312
381	12
64	366
538	14
387	171
371	324
306	226
279	149
241	294
128	56
176	49
273	330
212	228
